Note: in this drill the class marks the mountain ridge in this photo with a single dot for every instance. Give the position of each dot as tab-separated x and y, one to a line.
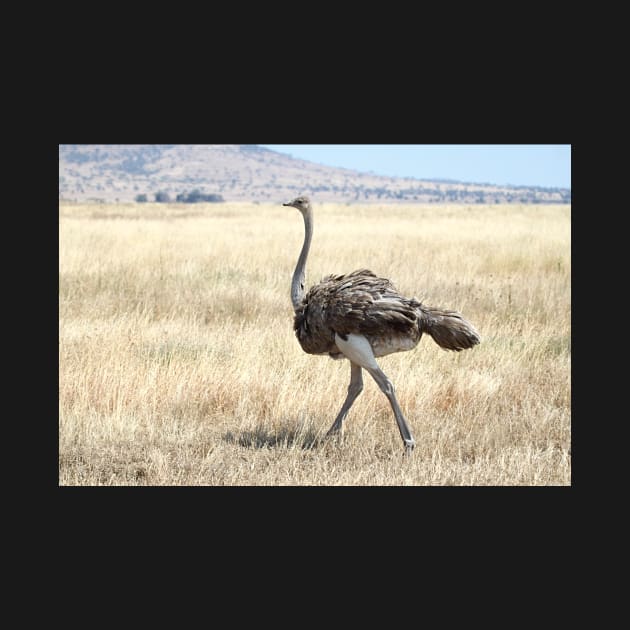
119	173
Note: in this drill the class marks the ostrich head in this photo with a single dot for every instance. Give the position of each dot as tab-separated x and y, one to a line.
302	203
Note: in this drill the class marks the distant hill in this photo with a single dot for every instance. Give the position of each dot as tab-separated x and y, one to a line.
122	172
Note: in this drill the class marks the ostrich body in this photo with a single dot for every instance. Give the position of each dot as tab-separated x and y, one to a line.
360	316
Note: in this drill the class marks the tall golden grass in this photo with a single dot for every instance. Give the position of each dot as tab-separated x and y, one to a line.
178	364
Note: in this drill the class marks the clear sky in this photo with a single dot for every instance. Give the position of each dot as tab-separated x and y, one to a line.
547	165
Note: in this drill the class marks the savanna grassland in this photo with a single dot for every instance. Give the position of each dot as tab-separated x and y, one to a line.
178	364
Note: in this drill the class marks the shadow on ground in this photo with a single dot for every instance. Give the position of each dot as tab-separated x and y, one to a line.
282	438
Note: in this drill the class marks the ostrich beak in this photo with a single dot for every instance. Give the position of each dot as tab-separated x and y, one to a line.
286	204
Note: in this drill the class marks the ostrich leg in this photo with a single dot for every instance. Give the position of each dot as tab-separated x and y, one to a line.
354	389
357	348
388	389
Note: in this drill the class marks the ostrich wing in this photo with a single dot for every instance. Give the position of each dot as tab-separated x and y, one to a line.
358	303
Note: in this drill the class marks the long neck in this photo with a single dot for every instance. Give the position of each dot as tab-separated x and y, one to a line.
298	283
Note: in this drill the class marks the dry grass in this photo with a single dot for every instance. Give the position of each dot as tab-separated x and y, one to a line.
178	364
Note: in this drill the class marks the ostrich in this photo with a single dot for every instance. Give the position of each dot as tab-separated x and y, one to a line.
360	316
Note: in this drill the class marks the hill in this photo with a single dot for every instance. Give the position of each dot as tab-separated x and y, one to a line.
115	172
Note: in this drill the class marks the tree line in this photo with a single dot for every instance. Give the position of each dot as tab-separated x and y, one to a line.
195	196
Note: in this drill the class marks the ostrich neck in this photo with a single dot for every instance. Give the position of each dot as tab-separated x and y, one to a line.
299	275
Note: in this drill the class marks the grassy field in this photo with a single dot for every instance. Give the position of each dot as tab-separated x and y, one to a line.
178	364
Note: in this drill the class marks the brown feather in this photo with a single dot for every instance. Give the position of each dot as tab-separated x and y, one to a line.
448	328
362	303
354	303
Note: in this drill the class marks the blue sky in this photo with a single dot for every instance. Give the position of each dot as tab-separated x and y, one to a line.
547	165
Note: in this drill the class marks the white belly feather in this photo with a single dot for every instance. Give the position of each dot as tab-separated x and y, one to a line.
362	351
392	343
